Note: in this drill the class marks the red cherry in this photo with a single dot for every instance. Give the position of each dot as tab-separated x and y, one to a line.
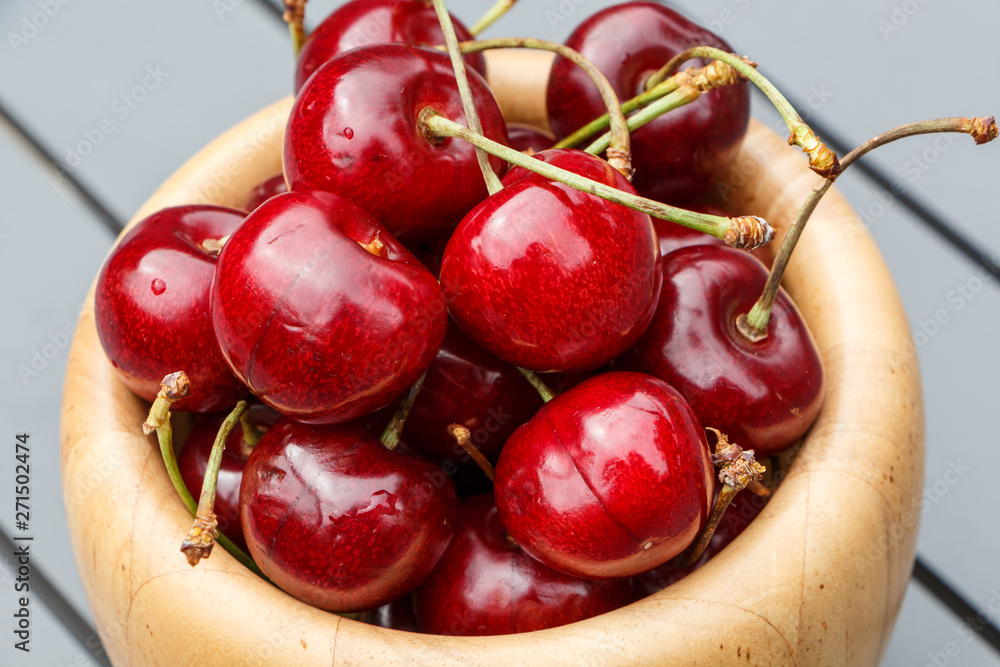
339	521
486	585
355	130
467	385
550	278
741	511
763	395
610	479
528	138
397	615
680	154
265	190
193	461
321	311
152	306
366	22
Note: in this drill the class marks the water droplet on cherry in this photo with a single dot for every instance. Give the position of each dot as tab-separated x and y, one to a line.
349	133
158	287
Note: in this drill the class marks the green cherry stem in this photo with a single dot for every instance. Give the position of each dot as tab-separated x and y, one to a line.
499	8
251	433
173	388
753	325
295	15
536	382
392	432
493	184
822	160
200	540
740	232
619	145
714	75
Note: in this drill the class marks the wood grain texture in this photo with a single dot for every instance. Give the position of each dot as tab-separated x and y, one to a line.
818	578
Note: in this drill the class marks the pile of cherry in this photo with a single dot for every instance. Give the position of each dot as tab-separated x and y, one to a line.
397	314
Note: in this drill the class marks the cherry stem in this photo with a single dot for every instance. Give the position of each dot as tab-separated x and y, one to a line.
295	15
536	382
822	160
499	8
462	435
619	146
697	548
251	433
174	387
688	87
200	540
737	470
681	89
392	432
740	232
753	325
493	184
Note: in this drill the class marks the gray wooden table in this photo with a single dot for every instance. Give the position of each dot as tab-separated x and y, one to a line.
100	101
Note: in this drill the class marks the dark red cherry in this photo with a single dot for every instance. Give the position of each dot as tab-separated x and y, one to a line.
337	520
467	385
265	190
355	130
610	479
366	22
152	306
681	154
550	278
487	585
741	511
763	395
528	138
322	313
397	615
193	461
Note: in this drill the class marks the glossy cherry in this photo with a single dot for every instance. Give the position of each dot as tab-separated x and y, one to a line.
487	585
355	130
152	306
763	395
682	153
397	615
741	511
467	385
193	461
528	138
610	479
550	278
366	22
322	313
337	520
264	190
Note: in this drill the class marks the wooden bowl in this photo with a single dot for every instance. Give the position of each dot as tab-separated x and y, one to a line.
818	578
